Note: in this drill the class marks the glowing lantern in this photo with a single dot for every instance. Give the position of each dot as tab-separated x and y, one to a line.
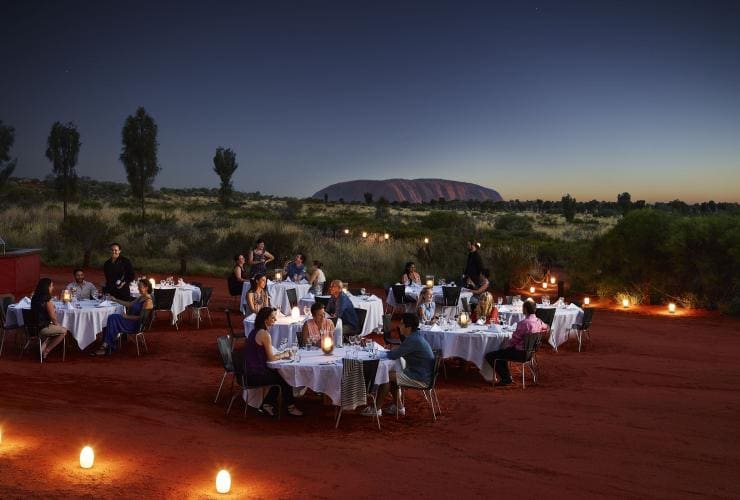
66	295
278	275
586	301
87	457
625	303
223	481
386	236
1	436
295	314
544	285
346	230
463	320
327	344
345	287
429	280
364	234
426	241
553	280
672	308
151	282
531	289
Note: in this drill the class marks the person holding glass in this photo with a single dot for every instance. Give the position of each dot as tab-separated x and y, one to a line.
426	307
410	276
257	352
317	327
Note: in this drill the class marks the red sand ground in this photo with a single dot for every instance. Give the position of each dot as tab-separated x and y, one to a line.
649	410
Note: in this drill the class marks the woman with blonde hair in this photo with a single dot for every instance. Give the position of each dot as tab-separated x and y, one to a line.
425	307
485	309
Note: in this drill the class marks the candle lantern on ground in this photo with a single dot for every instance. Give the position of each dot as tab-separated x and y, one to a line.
346	230
87	457
463	320
672	308
544	285
429	280
553	280
426	241
364	234
531	289
386	236
223	481
327	343
586	301
625	303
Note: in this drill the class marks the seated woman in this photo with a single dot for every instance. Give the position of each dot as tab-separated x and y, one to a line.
410	276
257	296
318	326
257	352
317	278
426	307
126	323
480	287
46	313
485	309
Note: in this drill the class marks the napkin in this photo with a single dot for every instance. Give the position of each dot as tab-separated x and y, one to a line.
304	281
481	321
251	317
435	328
105	303
25	302
572	306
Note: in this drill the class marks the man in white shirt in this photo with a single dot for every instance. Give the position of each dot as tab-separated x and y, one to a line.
84	289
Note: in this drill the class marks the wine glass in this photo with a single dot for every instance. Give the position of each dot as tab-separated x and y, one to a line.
362	292
306	310
500	301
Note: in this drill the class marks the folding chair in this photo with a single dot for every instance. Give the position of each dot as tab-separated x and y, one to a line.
198	306
145	322
584	327
429	391
292	297
240	376
33	330
450	298
532	343
353	369
163	299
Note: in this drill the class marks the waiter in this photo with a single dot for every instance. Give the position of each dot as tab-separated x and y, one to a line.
474	264
118	274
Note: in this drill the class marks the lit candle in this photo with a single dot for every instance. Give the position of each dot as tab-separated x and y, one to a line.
672	308
87	457
586	301
429	280
553	280
151	282
364	234
66	295
464	319
544	285
531	289
346	230
386	236
223	481
625	302
426	241
327	344
278	275
295	314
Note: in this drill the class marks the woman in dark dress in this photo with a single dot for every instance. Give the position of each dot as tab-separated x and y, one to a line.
46	313
126	323
257	352
257	296
259	258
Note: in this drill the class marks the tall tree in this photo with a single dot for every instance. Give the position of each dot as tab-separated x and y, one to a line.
7	137
624	202
62	150
224	164
139	154
569	207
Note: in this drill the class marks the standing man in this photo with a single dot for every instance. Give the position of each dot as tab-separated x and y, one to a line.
84	290
118	274
474	265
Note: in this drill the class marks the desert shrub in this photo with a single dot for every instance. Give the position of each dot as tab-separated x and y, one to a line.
451	222
511	263
86	234
513	223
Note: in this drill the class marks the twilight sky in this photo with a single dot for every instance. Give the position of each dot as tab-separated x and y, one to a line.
534	99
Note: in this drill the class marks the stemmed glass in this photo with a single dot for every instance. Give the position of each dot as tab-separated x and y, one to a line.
500	301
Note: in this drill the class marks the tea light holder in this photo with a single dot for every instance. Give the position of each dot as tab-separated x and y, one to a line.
223	481
295	314
544	285
672	308
364	234
66	295
386	236
625	303
426	241
429	280
346	230
327	344
463	320
278	275
553	280
531	289
586	301
87	457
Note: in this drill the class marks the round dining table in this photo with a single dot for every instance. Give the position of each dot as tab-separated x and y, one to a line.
565	318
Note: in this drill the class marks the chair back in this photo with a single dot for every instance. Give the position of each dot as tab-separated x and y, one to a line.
145	319
435	372
355	291
227	312
31	322
450	295
465	304
322	299
299	338
292	297
235	287
354	389
546	315
399	294
361	316
7	299
369	370
509	299
224	349
163	298
531	344
205	296
588	316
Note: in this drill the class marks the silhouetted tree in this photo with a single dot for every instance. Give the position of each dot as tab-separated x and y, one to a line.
139	153
7	137
381	208
624	202
62	150
569	207
224	164
368	198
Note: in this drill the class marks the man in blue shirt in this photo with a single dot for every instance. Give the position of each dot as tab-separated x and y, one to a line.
419	358
296	270
340	306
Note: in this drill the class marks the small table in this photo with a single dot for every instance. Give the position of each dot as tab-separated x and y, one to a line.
286	329
371	303
565	317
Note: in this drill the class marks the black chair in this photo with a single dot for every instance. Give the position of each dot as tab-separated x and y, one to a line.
235	289
429	391
532	343
509	300
240	376
546	315
369	370
361	316
163	299
584	327
400	297
33	330
224	344
292	297
299	338
322	299
233	335
355	291
145	322
6	301
197	307
465	304
325	289
450	297
389	341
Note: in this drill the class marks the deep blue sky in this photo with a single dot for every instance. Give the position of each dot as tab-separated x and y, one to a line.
534	99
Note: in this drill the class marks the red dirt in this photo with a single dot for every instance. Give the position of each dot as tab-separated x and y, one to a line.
649	410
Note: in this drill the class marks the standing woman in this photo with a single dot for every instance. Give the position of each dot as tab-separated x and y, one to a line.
118	274
126	323
43	306
410	276
257	352
257	296
317	278
259	258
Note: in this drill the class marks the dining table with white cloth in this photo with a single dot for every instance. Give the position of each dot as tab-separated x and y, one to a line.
565	317
323	373
286	329
413	292
471	343
84	319
184	296
277	294
371	303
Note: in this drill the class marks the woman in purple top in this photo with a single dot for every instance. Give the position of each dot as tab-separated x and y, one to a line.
257	352
514	351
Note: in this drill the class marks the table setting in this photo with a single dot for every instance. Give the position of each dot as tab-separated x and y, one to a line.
185	294
413	292
277	294
286	328
565	317
371	303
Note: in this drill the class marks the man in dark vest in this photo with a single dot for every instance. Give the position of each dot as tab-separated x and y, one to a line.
119	273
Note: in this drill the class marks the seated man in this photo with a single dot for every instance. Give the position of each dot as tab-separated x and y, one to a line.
340	306
417	353
514	349
296	270
84	290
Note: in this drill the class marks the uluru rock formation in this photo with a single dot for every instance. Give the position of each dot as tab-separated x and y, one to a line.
410	190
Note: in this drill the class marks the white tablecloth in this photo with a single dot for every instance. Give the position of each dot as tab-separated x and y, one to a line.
83	324
285	329
276	291
323	373
565	317
471	343
372	304
414	291
184	296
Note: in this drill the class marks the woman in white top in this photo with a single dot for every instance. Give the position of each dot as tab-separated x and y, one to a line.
426	307
410	276
317	278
